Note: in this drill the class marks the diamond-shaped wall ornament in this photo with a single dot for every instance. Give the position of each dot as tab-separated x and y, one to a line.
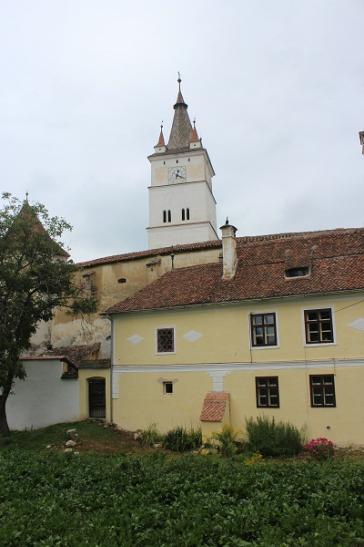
135	339
358	324
192	336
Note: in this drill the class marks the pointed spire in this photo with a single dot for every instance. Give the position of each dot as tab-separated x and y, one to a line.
161	137
160	147
181	127
194	135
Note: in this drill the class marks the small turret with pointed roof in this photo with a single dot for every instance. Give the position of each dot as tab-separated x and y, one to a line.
161	145
195	141
179	138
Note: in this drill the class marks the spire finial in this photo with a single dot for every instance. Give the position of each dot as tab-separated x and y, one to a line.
179	80
227	221
162	125
26	196
194	122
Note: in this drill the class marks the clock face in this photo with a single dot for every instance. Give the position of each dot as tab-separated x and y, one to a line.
177	174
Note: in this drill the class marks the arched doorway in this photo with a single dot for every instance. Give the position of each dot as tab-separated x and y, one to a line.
96	398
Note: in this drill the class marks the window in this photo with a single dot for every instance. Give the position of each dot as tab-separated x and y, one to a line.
164	216
165	340
303	271
267	392
187	214
167	387
169	216
263	329
322	390
318	325
183	214
89	288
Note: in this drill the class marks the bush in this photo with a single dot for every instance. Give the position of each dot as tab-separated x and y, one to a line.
273	439
150	436
181	439
321	449
227	441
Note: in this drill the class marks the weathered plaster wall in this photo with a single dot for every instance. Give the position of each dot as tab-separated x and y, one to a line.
66	329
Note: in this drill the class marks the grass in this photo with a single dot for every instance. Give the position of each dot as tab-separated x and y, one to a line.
92	437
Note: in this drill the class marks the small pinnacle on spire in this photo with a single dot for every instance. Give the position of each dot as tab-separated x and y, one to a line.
26	196
179	80
161	141
194	135
227	221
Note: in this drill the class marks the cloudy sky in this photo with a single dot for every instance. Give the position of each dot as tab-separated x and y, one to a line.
277	89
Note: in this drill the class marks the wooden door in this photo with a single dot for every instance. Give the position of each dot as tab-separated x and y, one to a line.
96	397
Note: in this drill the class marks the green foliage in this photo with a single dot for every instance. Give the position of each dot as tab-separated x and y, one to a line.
150	436
35	278
227	441
181	439
107	500
273	439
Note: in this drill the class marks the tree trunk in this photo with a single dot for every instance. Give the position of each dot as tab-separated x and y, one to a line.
4	428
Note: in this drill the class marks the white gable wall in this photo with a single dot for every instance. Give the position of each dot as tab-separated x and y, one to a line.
43	398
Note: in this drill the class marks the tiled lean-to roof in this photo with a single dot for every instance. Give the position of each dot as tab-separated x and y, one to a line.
335	259
214	406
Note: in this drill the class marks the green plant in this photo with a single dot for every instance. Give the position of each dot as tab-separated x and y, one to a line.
181	439
273	439
227	443
254	459
150	436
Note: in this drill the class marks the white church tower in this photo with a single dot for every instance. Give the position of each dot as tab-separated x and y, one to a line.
182	207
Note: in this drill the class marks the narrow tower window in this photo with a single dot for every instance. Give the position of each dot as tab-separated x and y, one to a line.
169	216
183	214
164	216
187	214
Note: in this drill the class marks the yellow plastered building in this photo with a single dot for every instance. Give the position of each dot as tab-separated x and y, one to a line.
277	327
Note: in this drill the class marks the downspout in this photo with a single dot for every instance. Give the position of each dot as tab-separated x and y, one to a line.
111	366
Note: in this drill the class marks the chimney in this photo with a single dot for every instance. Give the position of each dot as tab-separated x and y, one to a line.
361	137
229	257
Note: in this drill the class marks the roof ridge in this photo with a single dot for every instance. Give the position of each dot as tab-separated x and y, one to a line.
213	244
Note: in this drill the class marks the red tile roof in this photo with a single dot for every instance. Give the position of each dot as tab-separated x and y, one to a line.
335	258
200	246
187	247
214	406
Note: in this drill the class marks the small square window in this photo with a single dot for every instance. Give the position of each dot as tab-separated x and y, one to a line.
318	326
263	329
322	389
165	340
167	387
267	391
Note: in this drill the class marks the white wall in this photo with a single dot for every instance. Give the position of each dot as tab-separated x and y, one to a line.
43	398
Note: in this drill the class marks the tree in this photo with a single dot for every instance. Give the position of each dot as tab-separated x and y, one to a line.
36	277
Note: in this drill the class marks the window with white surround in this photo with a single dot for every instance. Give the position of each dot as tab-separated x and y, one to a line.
322	389
165	340
267	391
319	326
263	328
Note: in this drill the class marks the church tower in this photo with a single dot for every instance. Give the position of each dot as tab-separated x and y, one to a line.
182	207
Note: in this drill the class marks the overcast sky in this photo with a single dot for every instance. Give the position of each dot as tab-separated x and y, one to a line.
277	88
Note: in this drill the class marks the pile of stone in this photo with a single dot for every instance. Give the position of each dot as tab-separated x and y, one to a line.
71	442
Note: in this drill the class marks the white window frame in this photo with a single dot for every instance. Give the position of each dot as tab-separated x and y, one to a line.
319	344
260	312
156	340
